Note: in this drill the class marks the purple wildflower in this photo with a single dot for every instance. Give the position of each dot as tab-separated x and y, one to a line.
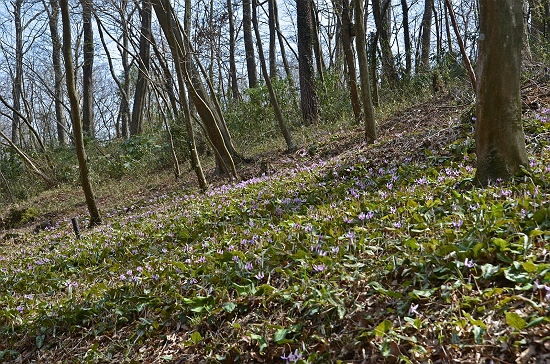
413	309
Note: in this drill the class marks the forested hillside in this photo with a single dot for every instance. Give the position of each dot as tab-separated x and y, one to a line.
293	182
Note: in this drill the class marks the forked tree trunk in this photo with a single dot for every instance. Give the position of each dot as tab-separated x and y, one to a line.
499	129
95	217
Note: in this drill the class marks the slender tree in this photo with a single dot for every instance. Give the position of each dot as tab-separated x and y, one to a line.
87	69
407	37
95	217
232	63
17	85
500	142
308	91
424	63
382	16
350	59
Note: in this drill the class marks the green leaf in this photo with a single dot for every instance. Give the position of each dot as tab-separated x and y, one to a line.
515	320
196	337
478	334
383	328
540	215
488	270
529	266
280	336
229	306
516	276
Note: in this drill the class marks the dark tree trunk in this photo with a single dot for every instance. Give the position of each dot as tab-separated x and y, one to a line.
232	65
143	71
95	217
87	69
407	37
17	86
500	142
272	40
249	46
308	91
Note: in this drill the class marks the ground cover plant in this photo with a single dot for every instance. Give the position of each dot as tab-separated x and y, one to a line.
344	253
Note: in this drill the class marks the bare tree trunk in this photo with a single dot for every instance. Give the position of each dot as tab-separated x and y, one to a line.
308	91
319	60
382	17
291	146
95	217
350	60
17	86
368	108
143	69
500	142
272	39
407	36
448	29
249	46
87	70
53	20
232	66
424	63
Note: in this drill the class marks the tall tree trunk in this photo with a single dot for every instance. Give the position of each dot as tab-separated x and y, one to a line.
61	121
319	60
87	69
95	217
291	146
143	70
17	86
407	38
500	142
424	63
272	39
361	39
282	45
249	46
232	65
350	60
382	18
308	90
448	30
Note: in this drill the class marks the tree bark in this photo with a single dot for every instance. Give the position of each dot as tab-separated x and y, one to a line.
272	39
87	69
499	129
95	217
61	121
17	86
426	26
382	17
407	38
308	90
350	60
368	108
232	65
249	46
143	68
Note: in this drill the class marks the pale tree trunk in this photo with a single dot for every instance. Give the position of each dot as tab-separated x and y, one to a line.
500	142
350	60
61	121
143	68
17	85
249	46
368	108
87	69
424	63
308	91
291	146
282	46
125	86
95	217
